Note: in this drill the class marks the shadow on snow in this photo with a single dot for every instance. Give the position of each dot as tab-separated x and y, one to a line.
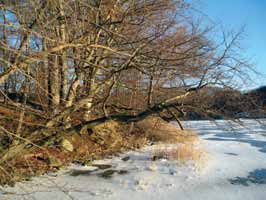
257	176
233	132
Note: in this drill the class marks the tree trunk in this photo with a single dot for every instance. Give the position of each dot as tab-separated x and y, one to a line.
54	83
62	58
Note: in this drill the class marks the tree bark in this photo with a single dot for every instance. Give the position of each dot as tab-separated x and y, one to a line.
54	83
62	58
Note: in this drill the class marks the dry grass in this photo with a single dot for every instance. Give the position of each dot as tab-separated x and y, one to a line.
181	152
159	130
175	144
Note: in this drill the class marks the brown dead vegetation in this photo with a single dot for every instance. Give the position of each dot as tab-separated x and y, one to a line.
181	152
109	138
105	139
157	129
184	144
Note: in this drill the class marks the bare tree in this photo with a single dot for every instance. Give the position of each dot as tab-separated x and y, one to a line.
111	59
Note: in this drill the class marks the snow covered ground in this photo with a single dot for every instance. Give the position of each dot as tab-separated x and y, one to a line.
235	169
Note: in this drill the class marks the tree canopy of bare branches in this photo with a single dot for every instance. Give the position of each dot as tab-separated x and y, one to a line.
73	62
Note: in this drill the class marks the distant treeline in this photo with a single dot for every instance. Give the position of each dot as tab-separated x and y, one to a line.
220	103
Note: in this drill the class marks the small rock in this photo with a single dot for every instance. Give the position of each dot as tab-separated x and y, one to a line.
66	145
81	172
125	158
102	166
122	171
107	173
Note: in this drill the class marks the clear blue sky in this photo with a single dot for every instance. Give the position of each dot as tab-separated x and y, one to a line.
233	14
